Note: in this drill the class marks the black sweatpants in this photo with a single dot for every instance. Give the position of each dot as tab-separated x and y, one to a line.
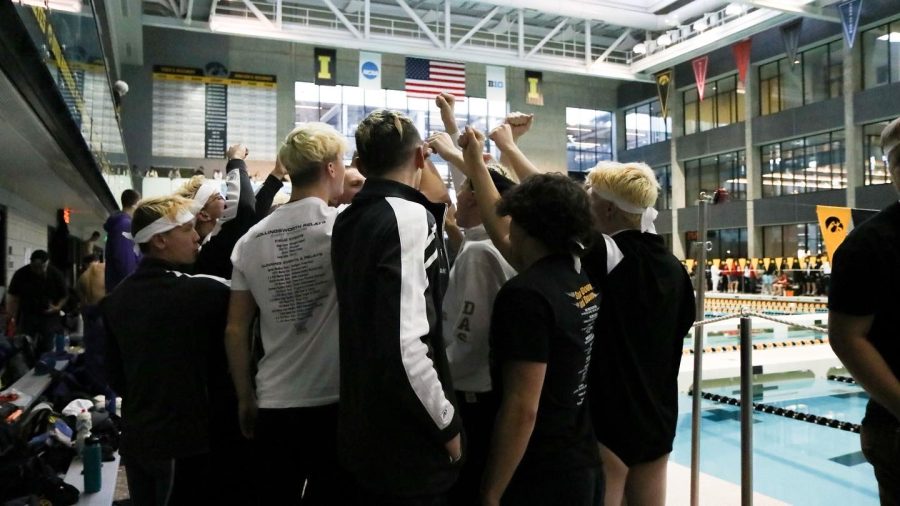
478	412
297	446
562	487
168	482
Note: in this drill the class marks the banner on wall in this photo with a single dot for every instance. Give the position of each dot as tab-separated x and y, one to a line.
325	63
790	35
663	87
700	65
850	19
836	222
534	94
741	51
495	83
369	70
429	78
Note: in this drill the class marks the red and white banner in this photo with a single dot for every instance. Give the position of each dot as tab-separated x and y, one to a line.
700	65
741	52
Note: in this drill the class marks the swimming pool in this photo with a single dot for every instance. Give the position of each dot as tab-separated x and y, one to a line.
794	461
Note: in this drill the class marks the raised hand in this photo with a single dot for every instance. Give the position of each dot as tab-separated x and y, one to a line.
502	136
520	123
445	103
237	151
442	144
472	144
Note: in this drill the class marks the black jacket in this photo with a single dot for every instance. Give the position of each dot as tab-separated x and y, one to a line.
162	326
397	406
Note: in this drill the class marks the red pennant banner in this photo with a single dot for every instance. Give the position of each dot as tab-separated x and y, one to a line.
741	52
700	65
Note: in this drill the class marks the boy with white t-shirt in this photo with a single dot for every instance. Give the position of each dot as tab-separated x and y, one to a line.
283	267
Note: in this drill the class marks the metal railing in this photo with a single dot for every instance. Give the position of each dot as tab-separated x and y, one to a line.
746	369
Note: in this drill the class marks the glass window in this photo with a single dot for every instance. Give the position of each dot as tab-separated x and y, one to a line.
816	75
725	243
803	165
645	125
343	107
875	164
881	55
727	171
589	135
722	105
769	88
773	241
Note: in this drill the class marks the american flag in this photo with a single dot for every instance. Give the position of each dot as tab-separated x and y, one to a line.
428	78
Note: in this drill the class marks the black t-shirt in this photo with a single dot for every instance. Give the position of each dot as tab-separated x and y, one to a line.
546	314
36	292
648	308
864	282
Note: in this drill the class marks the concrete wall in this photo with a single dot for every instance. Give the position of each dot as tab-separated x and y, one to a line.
290	62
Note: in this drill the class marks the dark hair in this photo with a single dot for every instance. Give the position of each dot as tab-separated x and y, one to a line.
129	198
385	139
40	254
552	209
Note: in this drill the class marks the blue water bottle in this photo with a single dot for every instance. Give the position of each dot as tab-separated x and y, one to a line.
91	459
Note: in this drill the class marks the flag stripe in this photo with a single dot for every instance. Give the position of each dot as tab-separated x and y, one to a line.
427	78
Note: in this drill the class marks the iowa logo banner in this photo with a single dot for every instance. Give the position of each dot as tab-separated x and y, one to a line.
325	63
836	222
534	95
663	86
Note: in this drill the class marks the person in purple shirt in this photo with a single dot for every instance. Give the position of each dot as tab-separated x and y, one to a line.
121	258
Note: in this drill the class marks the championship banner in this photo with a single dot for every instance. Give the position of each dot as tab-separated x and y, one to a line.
495	84
534	95
850	19
369	70
741	51
663	86
700	65
790	35
836	222
325	61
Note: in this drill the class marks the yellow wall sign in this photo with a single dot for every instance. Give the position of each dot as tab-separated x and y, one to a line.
325	61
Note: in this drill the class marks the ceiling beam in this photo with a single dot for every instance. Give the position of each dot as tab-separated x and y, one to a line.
807	11
258	13
340	15
415	17
475	28
612	47
547	38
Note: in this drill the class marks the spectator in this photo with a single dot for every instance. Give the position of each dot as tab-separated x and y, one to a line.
121	256
862	325
37	293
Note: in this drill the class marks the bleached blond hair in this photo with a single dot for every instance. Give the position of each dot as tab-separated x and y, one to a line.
152	209
190	187
634	183
307	148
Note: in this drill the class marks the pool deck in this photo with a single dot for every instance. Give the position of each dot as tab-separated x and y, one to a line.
818	358
713	491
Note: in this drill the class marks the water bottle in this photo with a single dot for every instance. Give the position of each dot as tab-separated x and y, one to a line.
60	343
91	459
83	428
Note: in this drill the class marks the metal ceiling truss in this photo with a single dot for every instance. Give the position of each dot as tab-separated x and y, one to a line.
572	38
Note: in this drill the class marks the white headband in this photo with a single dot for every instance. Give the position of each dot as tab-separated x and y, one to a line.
206	190
648	214
162	225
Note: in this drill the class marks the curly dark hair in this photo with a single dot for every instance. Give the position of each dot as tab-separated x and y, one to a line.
551	208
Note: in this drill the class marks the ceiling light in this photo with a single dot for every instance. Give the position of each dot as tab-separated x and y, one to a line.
664	40
890	37
640	48
55	5
501	27
700	25
734	9
354	6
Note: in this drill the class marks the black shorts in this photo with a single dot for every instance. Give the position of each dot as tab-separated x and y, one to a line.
634	450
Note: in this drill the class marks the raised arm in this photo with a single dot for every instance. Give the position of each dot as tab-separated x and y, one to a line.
510	153
445	103
486	193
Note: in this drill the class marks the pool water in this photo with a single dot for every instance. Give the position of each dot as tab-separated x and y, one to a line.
794	461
